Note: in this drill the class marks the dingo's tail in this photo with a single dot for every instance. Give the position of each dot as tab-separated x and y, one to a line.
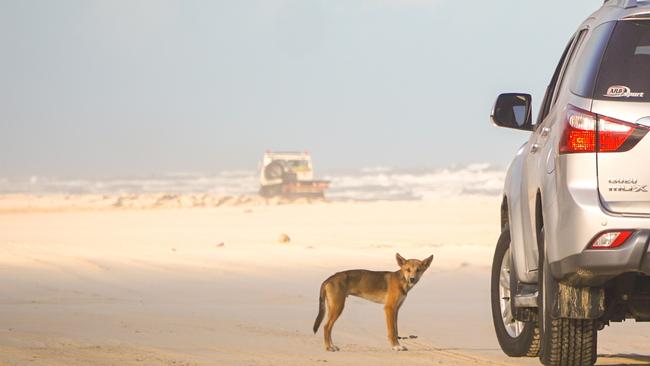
321	308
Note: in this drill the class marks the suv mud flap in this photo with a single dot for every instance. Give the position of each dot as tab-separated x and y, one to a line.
579	302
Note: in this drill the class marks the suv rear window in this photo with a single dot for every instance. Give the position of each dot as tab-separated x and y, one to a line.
625	68
588	62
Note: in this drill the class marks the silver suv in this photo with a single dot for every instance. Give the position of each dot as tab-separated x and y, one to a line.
575	218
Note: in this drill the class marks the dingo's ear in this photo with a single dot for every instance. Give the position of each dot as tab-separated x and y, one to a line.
400	260
427	262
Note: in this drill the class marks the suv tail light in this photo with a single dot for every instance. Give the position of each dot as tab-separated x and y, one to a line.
610	239
589	132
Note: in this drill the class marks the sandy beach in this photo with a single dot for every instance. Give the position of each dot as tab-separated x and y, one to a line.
94	280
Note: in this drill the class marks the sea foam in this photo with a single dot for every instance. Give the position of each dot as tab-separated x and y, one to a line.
370	183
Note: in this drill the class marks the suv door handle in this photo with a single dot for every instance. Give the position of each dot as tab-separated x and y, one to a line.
545	131
534	148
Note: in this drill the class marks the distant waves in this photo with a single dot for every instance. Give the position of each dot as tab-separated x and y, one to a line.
368	184
389	184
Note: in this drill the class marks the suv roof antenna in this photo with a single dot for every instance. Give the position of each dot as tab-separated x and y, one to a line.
625	4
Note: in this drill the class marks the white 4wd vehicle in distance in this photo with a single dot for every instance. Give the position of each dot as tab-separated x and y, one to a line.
290	174
575	218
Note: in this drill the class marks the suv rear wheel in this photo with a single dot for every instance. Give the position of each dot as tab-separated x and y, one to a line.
516	338
565	342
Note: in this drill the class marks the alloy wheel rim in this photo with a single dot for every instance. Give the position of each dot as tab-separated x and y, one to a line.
513	326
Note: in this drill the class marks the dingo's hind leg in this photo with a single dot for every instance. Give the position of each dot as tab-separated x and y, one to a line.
335	304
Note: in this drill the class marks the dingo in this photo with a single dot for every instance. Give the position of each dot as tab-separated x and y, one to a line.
388	288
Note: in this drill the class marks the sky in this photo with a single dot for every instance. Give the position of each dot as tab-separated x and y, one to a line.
111	88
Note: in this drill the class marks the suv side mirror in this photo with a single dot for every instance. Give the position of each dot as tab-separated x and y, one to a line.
513	110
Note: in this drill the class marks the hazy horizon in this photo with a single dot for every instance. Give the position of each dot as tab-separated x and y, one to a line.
135	88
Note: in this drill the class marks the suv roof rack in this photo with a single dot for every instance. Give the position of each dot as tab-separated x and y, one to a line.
625	4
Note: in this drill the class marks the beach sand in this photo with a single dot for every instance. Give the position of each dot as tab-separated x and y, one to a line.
95	280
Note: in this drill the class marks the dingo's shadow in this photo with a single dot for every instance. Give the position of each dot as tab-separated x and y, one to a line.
623	360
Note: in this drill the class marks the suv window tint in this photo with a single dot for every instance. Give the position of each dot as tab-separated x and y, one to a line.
569	61
546	102
625	70
587	64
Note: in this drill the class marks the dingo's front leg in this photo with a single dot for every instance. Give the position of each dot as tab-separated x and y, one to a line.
391	323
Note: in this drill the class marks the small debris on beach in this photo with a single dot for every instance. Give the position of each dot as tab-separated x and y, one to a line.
221	245
409	337
381	246
284	238
173	249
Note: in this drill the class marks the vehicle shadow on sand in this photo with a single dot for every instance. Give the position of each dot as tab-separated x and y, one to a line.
623	360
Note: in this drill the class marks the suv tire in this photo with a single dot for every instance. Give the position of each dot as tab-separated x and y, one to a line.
565	342
525	341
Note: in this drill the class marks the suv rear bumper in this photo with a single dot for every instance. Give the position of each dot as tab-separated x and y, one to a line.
574	215
595	267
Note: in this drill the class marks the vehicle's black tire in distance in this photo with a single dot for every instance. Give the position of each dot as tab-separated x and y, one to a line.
527	343
565	342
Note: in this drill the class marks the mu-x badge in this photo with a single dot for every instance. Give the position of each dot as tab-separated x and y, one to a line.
626	185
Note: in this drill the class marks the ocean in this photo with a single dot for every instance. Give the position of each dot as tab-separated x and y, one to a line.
367	184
